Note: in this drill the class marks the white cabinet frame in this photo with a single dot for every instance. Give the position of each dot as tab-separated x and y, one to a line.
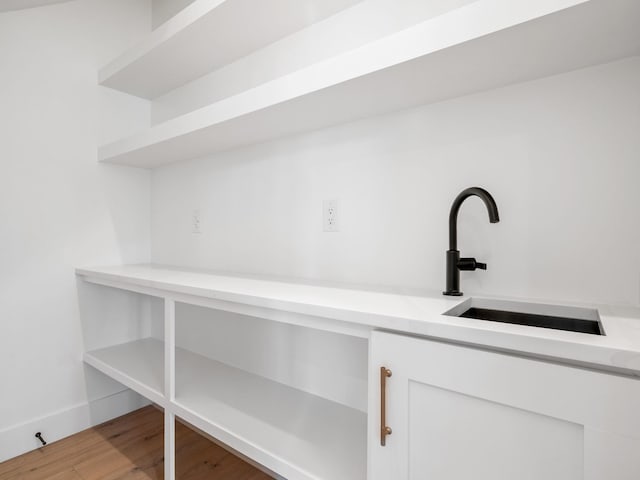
606	406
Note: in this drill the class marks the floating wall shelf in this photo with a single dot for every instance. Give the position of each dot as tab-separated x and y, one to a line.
487	44
207	35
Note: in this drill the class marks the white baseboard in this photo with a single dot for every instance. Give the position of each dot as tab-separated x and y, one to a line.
19	439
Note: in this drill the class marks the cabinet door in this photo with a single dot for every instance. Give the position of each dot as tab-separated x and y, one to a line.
460	413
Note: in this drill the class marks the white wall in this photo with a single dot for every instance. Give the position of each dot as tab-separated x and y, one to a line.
59	209
560	155
6	5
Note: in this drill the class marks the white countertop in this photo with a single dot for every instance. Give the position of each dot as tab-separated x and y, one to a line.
618	350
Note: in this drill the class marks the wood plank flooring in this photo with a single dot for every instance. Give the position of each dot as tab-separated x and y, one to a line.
131	448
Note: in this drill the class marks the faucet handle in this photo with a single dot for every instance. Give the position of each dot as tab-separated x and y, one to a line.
470	264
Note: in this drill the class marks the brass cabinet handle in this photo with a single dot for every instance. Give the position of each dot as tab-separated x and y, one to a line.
384	429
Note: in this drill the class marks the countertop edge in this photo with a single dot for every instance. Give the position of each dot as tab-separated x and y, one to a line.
595	353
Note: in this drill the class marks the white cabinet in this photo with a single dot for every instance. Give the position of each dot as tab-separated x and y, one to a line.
459	413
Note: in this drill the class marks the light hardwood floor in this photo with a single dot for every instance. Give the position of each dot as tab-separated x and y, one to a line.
131	448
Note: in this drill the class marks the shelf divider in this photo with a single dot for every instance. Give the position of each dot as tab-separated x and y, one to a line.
169	387
169	445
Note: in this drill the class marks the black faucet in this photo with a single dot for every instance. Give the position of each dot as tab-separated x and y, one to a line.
454	262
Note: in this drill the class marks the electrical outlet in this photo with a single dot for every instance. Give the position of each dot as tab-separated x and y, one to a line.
330	216
196	223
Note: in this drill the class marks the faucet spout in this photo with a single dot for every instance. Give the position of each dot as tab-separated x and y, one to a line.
489	202
454	262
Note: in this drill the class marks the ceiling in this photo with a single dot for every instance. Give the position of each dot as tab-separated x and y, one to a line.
7	5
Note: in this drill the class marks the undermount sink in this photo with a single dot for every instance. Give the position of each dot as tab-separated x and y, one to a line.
557	317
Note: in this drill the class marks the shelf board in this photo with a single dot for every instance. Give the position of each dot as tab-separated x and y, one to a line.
293	433
206	35
138	365
467	50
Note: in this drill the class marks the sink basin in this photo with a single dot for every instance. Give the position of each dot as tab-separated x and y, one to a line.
557	317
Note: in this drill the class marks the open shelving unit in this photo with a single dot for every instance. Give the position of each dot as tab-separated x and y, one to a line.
205	36
289	432
484	45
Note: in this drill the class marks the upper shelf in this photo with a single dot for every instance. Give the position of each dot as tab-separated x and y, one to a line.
206	35
487	44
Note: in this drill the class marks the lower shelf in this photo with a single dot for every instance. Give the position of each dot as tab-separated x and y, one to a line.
293	433
138	365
